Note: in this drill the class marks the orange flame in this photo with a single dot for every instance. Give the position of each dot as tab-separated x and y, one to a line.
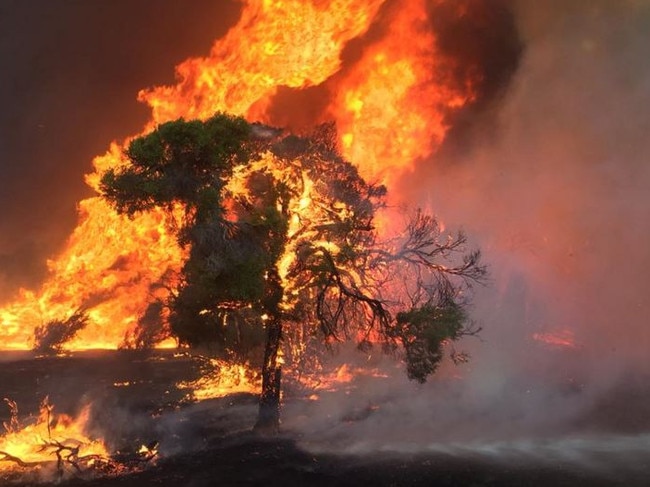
390	109
276	43
389	106
35	445
224	379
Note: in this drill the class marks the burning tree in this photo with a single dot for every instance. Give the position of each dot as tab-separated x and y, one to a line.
281	232
50	337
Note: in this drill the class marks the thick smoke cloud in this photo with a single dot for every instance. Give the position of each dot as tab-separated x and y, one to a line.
70	75
551	180
557	187
547	173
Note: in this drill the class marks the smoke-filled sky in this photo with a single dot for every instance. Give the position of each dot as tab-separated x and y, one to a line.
559	187
69	77
554	184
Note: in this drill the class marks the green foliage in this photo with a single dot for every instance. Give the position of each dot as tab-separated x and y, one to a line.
189	163
423	332
181	161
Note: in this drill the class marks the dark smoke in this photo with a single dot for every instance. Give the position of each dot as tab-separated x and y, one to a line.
70	75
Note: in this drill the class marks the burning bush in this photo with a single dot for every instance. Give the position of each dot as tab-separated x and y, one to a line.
50	337
150	328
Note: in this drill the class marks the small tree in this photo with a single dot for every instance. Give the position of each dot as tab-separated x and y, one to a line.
51	336
281	231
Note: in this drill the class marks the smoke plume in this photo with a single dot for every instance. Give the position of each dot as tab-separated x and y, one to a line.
555	187
550	178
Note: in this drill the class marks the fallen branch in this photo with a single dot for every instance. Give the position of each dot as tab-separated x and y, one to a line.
67	457
11	458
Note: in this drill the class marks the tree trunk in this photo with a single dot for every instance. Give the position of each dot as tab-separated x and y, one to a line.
268	419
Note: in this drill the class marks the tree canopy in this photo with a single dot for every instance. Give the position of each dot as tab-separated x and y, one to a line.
281	232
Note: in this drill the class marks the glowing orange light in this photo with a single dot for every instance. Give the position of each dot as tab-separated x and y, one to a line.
37	442
561	338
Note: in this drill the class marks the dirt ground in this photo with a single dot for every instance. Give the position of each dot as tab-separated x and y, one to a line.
211	443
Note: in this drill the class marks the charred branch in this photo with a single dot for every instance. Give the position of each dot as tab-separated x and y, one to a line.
67	457
13	424
423	246
7	457
347	292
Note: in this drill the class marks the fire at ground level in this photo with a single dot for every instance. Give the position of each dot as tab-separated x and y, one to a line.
144	398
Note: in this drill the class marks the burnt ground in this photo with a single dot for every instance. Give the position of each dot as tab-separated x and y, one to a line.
211	443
